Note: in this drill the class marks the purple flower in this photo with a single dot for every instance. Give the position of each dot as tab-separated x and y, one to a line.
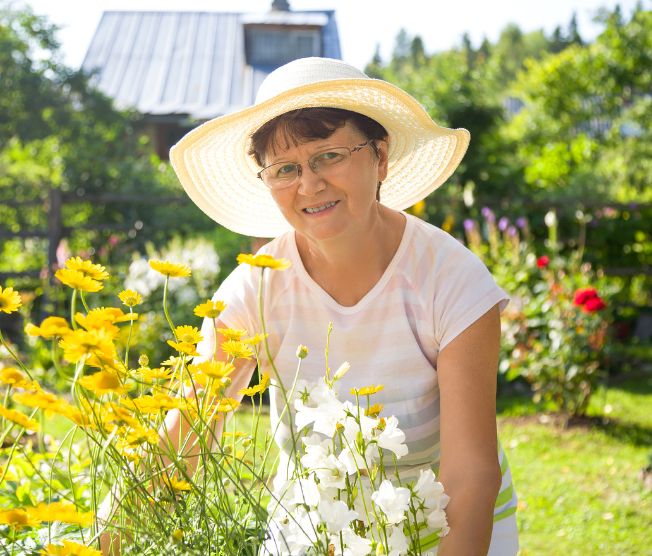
503	223
488	215
469	225
511	231
521	222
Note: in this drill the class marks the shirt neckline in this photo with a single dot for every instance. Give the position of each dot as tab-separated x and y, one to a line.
301	271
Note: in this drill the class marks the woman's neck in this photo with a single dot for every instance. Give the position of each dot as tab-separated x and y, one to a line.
347	268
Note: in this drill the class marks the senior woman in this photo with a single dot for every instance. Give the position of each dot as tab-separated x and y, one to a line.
325	162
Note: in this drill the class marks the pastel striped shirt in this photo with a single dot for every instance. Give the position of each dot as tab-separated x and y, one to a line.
432	290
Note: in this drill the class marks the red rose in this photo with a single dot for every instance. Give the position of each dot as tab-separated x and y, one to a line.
594	304
543	261
583	295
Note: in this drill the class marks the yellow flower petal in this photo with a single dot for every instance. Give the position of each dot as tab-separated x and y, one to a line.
77	280
236	349
263	261
70	548
367	390
172	270
19	418
9	300
87	268
130	298
210	309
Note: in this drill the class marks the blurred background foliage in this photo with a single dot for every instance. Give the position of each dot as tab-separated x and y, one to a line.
558	125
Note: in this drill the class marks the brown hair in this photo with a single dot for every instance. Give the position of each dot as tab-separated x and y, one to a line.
306	124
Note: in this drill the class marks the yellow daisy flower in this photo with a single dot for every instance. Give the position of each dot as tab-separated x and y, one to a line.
130	298
138	435
81	344
188	334
213	369
374	410
236	349
19	418
232	333
51	327
154	403
184	347
87	268
9	300
227	404
258	388
11	375
172	270
367	390
77	280
210	309
149	375
103	382
64	512
17	518
40	399
255	339
176	484
263	261
69	548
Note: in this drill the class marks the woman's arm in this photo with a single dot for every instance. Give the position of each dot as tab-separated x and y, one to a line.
176	426
469	469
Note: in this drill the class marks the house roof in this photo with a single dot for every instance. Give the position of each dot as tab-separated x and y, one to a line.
188	63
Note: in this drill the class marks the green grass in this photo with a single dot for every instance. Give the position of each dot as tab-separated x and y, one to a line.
579	487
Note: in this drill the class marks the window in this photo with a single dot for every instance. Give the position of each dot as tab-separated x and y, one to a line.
278	46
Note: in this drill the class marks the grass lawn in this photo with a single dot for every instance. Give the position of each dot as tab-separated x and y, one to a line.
579	487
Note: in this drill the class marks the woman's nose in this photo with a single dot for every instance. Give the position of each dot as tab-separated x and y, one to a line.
310	182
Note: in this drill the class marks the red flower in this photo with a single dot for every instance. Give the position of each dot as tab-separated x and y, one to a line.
593	305
582	295
543	261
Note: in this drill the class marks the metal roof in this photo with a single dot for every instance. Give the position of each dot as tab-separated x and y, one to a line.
187	63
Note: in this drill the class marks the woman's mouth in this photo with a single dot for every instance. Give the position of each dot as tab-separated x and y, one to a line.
320	208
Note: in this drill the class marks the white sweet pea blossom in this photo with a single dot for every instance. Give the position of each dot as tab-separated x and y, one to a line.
335	514
393	501
331	473
354	461
437	520
392	438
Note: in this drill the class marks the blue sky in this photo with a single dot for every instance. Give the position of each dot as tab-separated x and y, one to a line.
362	23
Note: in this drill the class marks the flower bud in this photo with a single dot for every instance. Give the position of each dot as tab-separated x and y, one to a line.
143	360
302	352
343	369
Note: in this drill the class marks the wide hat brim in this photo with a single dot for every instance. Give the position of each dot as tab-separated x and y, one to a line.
212	164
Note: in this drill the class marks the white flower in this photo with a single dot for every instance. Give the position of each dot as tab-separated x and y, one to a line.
295	535
354	424
342	370
430	490
304	491
324	414
398	543
332	473
437	520
354	461
354	545
335	514
392	438
393	501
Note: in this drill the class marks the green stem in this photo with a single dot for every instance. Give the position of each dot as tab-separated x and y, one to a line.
165	307
14	356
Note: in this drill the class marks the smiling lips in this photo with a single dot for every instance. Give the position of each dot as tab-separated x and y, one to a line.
315	210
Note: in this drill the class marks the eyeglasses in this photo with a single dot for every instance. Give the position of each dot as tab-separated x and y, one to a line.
325	164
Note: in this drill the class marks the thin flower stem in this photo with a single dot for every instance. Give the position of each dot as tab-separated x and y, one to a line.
83	300
14	356
165	307
131	327
73	309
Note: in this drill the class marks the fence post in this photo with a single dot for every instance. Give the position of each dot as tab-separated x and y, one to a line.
55	229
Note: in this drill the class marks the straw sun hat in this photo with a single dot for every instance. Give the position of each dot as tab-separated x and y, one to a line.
213	166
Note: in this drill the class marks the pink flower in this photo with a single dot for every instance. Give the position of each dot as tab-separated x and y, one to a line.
543	261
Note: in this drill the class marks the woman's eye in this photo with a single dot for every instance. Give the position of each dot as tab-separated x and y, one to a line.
285	170
328	157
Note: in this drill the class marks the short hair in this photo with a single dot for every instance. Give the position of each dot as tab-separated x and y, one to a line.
307	124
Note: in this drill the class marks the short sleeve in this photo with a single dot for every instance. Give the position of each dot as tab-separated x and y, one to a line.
464	291
239	295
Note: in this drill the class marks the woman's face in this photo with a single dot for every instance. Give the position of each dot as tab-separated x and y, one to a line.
321	209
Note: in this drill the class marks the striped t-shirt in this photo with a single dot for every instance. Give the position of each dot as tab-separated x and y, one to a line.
432	290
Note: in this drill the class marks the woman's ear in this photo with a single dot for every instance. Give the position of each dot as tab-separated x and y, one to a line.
382	149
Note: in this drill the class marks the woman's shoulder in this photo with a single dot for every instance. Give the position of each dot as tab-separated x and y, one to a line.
436	245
